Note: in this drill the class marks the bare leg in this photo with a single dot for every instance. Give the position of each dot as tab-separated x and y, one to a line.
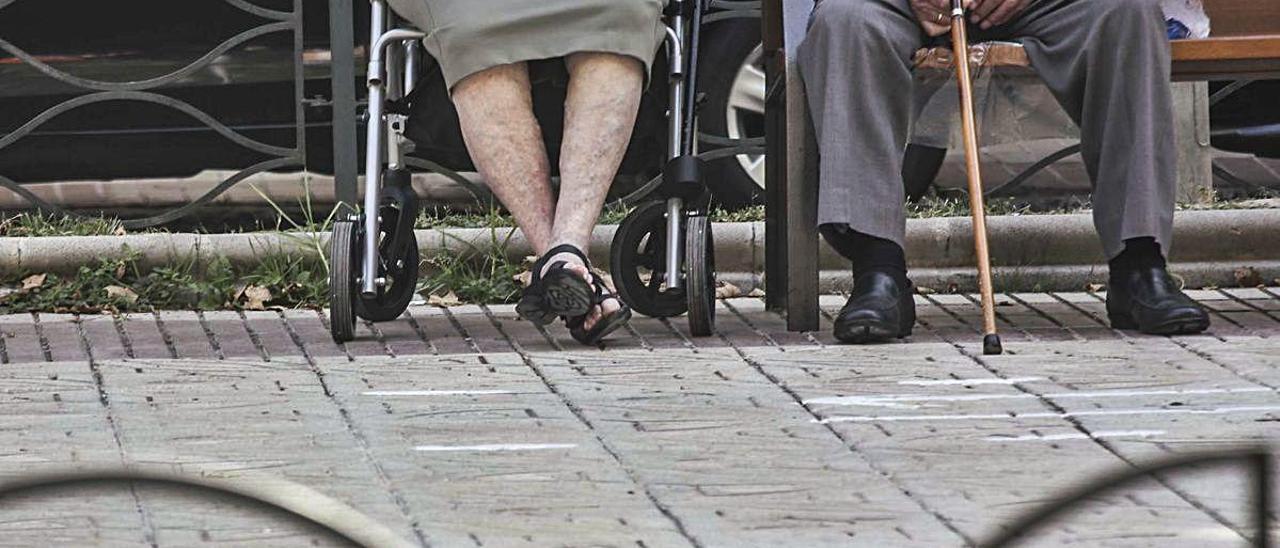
495	109
600	114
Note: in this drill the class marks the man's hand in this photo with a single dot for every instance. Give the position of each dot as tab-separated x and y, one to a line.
935	15
993	13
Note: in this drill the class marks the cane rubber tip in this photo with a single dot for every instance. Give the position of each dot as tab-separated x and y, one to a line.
991	345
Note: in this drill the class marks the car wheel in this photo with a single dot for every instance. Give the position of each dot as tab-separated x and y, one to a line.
733	108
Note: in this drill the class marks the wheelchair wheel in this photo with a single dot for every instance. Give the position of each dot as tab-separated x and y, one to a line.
700	276
637	261
343	264
397	259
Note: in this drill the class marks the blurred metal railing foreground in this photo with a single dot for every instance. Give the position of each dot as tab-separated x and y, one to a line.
146	91
1258	461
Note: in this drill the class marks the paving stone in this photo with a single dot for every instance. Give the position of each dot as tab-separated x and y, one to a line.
312	334
103	335
437	326
60	337
230	335
21	343
268	332
187	335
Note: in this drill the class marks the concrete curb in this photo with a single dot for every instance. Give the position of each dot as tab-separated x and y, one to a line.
1048	252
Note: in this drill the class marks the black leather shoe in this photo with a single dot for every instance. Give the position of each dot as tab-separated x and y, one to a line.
1147	299
880	309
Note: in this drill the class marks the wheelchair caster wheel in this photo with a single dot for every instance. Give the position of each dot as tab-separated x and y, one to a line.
700	275
391	300
397	256
637	261
343	264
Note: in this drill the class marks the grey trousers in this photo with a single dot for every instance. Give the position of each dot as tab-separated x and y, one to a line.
1106	61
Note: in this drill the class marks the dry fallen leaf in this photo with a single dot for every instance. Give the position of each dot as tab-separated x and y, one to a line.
448	299
33	281
255	297
757	293
1248	277
726	290
1093	288
925	290
122	293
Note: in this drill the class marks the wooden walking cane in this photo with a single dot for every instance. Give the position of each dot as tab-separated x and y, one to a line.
960	46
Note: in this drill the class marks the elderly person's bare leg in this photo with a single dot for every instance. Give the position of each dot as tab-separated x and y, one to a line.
495	109
600	113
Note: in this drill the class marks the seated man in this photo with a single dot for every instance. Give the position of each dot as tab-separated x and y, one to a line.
1106	61
484	49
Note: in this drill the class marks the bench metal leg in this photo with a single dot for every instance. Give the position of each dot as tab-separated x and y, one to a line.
1195	156
345	162
801	195
791	208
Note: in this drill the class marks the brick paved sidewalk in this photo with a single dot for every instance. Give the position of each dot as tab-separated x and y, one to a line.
424	330
467	427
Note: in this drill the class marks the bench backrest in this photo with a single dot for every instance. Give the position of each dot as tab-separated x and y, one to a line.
1244	17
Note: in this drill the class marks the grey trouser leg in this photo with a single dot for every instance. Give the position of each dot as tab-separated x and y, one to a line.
1107	61
856	65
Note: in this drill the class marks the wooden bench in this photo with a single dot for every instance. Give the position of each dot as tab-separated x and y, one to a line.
1245	45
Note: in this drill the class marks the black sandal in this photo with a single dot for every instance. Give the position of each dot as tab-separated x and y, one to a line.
557	292
606	324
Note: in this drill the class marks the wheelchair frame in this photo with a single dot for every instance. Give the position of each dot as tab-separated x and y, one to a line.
359	263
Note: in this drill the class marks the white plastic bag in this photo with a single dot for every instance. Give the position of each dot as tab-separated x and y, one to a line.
1190	13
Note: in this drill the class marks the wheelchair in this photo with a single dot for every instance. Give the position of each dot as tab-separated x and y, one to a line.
662	260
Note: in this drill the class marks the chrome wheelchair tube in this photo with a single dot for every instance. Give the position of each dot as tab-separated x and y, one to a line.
412	65
376	145
394	90
373	149
675	147
675	243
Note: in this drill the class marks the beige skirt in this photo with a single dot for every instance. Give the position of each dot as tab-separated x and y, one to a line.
468	36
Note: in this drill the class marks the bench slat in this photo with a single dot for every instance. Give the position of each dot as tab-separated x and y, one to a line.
1220	58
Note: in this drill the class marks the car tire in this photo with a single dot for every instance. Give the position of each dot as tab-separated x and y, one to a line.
733	108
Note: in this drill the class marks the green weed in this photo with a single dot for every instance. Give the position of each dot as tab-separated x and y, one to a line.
482	274
42	224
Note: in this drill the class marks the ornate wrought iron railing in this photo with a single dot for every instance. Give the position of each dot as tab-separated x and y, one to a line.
99	91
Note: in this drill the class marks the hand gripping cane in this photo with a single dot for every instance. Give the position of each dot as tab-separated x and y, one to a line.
960	46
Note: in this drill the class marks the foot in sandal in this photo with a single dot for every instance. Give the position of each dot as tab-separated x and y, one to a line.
563	285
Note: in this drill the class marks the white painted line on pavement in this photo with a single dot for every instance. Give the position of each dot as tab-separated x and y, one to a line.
495	447
896	400
1046	415
970	382
436	392
1101	434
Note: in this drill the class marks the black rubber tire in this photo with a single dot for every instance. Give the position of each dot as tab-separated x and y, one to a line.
638	249
726	45
342	281
398	209
700	276
390	304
